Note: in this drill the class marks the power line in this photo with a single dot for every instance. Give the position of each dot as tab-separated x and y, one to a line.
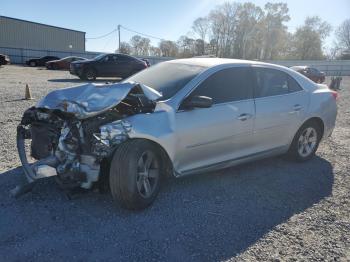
102	36
136	32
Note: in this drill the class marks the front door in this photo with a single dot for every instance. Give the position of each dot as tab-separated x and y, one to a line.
108	66
209	136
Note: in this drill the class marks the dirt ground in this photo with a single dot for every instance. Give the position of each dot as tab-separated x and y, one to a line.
267	210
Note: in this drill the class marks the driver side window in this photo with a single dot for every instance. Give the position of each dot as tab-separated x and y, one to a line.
227	85
110	58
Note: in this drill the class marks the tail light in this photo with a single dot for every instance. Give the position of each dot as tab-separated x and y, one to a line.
334	94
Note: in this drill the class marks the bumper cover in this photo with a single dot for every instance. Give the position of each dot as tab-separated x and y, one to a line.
40	169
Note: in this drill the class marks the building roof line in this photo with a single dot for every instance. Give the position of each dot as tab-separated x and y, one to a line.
21	20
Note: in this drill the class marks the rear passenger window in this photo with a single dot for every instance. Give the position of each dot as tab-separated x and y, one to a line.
271	82
124	58
231	84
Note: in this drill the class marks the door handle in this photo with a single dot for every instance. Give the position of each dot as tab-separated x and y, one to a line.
244	117
296	108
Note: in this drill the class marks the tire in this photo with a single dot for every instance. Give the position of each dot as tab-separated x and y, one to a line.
90	75
54	67
32	64
305	142
130	179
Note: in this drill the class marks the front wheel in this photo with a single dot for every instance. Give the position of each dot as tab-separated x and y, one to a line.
32	63
135	174
305	142
90	75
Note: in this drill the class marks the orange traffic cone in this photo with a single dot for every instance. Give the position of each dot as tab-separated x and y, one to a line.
28	95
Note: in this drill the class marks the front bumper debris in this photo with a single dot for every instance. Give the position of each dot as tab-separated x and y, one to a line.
40	169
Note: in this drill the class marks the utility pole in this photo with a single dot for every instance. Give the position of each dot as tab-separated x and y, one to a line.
119	38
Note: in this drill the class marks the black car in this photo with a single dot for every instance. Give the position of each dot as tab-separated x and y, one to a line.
311	72
41	61
4	59
146	61
107	65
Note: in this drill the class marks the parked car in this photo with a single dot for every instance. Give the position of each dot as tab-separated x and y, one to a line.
63	63
4	59
41	61
107	65
175	118
146	61
310	72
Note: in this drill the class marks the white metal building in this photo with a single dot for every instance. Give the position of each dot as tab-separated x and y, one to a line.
17	33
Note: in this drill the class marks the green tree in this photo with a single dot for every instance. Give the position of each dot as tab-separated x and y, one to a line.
308	39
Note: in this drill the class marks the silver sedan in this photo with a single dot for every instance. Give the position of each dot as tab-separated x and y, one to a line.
177	118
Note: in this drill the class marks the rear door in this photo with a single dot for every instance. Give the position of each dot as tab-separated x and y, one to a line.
281	105
207	136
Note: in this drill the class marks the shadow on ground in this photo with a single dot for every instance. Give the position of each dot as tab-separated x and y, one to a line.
205	217
77	80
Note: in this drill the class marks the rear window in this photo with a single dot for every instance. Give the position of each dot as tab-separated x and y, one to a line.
167	78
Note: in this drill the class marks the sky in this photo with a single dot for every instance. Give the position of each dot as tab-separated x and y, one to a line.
164	19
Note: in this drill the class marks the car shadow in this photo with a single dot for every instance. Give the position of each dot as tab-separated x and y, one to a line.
212	216
77	80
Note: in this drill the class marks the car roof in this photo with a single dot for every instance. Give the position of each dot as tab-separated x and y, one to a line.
211	62
299	67
216	62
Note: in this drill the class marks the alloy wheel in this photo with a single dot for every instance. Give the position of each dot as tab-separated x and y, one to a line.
90	75
307	142
147	174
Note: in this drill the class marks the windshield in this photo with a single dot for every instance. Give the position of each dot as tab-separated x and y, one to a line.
167	78
98	57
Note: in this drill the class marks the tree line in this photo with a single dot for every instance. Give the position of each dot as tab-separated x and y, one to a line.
247	31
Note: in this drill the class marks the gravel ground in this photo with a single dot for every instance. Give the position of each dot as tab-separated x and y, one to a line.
267	210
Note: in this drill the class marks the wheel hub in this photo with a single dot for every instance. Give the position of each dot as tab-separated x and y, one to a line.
147	174
307	142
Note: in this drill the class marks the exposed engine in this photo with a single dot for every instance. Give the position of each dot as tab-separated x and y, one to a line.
73	148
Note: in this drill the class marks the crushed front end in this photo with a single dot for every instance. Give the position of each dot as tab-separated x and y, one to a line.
71	142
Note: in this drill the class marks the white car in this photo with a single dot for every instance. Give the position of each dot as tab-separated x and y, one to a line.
178	117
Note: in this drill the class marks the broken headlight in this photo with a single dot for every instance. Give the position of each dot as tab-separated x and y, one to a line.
113	133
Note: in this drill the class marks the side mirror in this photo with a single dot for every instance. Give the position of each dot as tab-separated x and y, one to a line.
197	101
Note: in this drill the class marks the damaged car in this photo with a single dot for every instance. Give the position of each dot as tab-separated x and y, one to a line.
177	118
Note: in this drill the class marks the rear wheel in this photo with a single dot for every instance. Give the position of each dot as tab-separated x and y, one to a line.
305	142
135	174
32	63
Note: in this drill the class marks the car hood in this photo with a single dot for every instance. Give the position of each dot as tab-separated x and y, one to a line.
92	99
